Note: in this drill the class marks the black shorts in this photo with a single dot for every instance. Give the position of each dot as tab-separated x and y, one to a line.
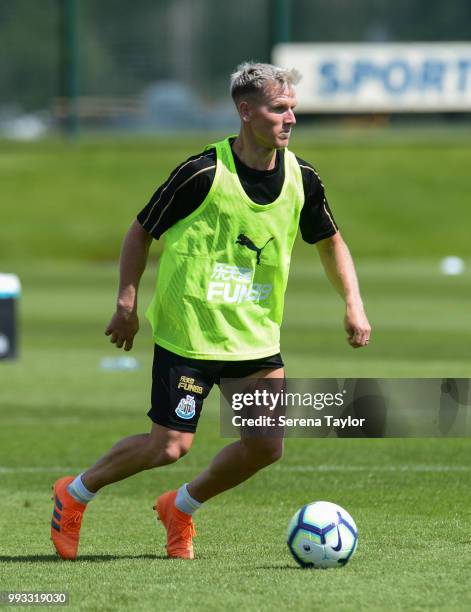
181	384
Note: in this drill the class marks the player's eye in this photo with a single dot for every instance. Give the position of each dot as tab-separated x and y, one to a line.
282	109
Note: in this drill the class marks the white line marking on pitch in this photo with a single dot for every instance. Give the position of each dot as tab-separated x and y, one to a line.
281	468
374	468
35	470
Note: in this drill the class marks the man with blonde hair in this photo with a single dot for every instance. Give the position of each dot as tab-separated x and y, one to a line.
229	216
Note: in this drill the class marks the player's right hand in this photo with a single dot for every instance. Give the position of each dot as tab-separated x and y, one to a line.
122	328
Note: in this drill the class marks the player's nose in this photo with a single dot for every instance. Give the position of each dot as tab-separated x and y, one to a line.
289	117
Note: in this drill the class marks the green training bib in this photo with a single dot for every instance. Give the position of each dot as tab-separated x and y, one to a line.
224	269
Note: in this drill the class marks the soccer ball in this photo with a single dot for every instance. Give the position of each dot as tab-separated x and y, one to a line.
322	534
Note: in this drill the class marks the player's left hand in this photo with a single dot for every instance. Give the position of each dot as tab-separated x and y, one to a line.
357	327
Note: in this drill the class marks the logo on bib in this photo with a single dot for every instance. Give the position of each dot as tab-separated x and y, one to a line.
186	408
244	240
233	285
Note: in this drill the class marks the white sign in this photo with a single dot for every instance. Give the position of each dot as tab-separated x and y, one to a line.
9	285
380	77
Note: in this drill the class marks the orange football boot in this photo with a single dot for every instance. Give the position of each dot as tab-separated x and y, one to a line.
66	519
179	526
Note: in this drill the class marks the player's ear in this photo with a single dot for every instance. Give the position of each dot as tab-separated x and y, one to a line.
244	110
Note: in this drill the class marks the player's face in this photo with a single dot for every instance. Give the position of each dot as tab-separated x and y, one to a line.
272	117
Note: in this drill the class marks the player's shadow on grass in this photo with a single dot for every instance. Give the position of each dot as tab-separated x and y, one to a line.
287	566
93	558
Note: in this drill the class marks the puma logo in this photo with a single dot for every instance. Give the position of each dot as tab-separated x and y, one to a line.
245	241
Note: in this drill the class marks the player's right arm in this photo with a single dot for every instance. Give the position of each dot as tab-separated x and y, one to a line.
183	191
124	324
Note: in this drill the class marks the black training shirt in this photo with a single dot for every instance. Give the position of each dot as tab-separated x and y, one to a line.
189	184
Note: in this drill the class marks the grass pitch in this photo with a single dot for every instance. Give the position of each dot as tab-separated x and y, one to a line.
59	411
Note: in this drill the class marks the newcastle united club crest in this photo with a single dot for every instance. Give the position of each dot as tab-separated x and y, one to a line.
186	408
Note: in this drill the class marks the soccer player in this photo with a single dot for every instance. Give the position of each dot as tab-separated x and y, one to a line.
229	216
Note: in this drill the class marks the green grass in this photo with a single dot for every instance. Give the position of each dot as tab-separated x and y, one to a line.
59	411
392	198
414	545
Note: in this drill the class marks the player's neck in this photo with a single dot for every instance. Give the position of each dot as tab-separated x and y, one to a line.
253	155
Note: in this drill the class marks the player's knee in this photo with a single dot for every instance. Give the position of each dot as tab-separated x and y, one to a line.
167	454
274	453
265	452
183	449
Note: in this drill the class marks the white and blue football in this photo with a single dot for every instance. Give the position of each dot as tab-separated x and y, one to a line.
322	534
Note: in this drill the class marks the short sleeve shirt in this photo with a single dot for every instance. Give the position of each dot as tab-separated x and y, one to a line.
189	183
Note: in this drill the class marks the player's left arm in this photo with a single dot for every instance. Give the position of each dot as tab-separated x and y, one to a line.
340	270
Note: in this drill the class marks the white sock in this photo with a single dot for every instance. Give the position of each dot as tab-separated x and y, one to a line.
79	491
185	502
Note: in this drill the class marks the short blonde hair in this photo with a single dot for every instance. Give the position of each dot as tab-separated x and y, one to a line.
253	77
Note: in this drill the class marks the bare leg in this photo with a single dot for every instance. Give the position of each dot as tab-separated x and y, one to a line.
137	453
234	464
237	461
